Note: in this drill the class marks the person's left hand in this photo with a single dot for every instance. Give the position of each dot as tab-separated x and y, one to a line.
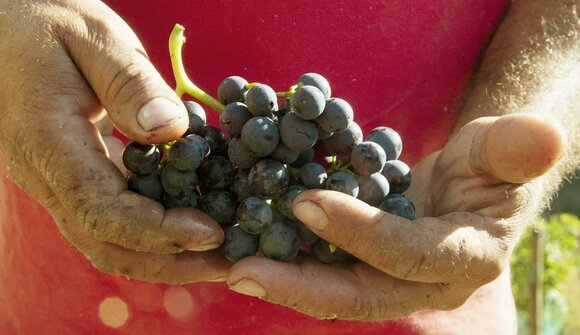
473	198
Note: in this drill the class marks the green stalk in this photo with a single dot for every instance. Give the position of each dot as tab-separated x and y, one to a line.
182	82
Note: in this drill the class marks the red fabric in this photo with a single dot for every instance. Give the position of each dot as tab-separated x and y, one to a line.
399	63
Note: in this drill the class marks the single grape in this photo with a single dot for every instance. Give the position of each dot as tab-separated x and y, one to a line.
297	134
216	139
284	154
308	102
285	108
372	189
284	201
197	117
304	156
343	182
316	80
147	185
260	135
178	183
280	242
324	253
232	89
398	174
189	201
254	215
268	179
336	116
216	172
389	139
261	100
341	144
368	158
141	158
238	244
234	117
240	187
305	235
219	205
399	205
187	153
313	176
239	154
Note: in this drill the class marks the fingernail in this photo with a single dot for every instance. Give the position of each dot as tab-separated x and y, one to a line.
204	247
157	113
311	215
249	287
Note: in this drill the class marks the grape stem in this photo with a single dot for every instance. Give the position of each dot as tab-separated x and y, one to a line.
182	82
289	93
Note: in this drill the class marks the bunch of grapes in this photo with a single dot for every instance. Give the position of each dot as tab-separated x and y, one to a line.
247	176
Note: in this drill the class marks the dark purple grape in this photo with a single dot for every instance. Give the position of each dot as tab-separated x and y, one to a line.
239	154
254	215
261	100
232	89
308	102
322	134
170	201
238	244
178	183
216	139
323	253
141	158
304	156
268	179
341	144
285	108
187	153
279	242
285	201
297	134
216	172
389	139
343	182
284	154
147	185
336	117
234	117
368	158
398	174
316	80
399	205
219	205
372	189
240	188
305	235
260	135
313	176
197	117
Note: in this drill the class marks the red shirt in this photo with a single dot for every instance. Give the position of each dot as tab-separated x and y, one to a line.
399	64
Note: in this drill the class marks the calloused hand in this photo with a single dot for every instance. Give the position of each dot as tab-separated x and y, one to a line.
67	65
473	198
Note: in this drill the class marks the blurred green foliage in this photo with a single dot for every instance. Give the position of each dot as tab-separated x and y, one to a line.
561	245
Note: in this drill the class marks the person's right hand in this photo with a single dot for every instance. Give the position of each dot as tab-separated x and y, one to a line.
66	65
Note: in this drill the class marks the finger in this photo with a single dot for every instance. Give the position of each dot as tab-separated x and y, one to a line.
515	148
356	293
459	247
139	102
89	184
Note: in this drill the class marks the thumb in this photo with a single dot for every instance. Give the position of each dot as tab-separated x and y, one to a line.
516	148
137	99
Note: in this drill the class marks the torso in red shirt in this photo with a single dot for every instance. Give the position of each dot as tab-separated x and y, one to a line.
399	64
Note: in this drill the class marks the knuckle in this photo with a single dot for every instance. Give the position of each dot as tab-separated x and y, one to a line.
127	82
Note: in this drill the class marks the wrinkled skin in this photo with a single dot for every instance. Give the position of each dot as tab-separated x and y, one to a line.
473	200
69	68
